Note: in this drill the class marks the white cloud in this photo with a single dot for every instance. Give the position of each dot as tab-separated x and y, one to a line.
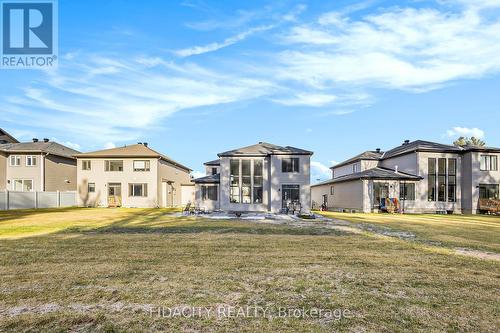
196	50
109	145
198	174
467	132
333	163
402	48
300	99
320	171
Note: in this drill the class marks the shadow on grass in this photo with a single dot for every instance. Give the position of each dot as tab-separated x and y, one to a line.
154	221
14	214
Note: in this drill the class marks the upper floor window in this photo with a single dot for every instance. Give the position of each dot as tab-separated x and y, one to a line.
141	165
30	160
86	165
489	163
355	168
214	171
138	190
332	190
442	179
15	160
113	165
290	164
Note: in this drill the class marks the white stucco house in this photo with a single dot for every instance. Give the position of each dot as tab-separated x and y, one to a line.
420	176
258	178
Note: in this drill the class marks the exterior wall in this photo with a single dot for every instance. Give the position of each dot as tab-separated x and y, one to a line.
368	164
345	169
187	194
224	199
478	177
101	179
407	163
466	184
26	172
175	177
60	173
3	171
208	169
347	195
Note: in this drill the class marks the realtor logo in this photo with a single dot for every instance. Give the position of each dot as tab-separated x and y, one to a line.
29	33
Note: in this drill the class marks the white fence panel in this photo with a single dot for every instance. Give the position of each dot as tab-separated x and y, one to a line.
20	200
47	200
67	199
3	200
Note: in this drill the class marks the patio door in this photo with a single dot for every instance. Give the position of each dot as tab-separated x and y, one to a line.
380	191
114	194
290	195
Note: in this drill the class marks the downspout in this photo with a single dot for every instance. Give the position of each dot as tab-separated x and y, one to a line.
42	172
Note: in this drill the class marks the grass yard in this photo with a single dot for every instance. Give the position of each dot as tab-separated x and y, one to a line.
481	232
87	270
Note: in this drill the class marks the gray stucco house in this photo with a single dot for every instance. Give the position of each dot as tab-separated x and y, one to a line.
258	178
420	176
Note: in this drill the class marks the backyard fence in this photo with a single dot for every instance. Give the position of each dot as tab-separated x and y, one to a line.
23	200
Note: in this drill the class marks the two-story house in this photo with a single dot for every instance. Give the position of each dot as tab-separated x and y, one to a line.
36	166
258	178
418	177
131	176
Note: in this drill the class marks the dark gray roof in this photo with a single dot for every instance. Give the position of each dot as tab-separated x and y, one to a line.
367	155
265	149
481	149
212	163
6	137
212	179
420	145
52	148
374	173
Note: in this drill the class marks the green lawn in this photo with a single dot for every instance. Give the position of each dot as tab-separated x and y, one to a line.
481	232
89	270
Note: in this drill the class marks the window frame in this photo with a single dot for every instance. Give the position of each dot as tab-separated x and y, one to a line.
89	187
332	190
246	188
405	194
31	158
293	167
147	166
17	157
23	180
84	165
431	184
490	163
144	190
107	165
210	192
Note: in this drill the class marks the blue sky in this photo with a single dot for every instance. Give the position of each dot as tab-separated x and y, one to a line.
194	78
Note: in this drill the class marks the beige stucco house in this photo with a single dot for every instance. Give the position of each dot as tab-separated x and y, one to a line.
258	178
36	166
422	177
132	176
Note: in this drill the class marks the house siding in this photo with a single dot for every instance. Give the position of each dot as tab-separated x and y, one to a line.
177	177
479	177
25	172
347	195
3	171
60	173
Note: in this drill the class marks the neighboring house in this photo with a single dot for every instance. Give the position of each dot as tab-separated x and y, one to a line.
425	177
6	137
37	166
132	176
258	178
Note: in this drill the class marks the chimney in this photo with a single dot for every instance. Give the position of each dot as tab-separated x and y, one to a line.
45	140
145	144
139	143
377	150
396	168
35	140
406	142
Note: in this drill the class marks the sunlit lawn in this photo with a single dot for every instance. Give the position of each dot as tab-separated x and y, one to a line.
480	232
101	269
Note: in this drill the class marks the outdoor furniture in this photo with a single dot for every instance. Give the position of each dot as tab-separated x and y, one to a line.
491	206
187	209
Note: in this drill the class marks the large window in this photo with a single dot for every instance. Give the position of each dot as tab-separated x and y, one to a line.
30	160
452	179
138	190
442	179
407	191
113	165
488	191
431	187
23	185
209	192
489	163
290	164
141	165
246	181
86	165
15	160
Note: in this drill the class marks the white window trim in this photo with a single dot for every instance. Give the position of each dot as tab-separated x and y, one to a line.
90	165
15	156
22	181
31	156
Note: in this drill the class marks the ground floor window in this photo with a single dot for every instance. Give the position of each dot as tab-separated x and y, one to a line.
23	185
407	191
209	192
380	191
488	191
91	187
138	190
290	195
